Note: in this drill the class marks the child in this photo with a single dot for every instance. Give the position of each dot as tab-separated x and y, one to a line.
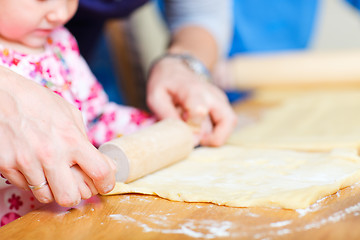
35	45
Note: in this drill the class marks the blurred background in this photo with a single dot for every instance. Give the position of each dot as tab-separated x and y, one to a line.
128	47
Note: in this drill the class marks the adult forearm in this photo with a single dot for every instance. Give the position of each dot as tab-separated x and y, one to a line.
197	42
201	28
9	80
175	90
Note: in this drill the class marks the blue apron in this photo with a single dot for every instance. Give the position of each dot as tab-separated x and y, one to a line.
274	25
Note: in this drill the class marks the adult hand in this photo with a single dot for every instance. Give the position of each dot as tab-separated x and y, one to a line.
172	86
41	138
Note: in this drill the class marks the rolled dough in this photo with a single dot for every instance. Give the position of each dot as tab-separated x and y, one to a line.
245	177
318	121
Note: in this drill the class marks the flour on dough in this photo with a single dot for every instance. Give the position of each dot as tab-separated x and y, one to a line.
240	177
316	121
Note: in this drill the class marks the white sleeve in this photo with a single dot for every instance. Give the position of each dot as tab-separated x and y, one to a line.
214	15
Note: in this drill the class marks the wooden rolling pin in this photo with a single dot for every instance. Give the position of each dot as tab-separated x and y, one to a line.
149	149
295	69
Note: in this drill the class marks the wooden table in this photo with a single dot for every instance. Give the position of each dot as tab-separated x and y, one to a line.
134	216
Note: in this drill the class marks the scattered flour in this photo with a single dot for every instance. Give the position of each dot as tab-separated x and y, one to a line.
283	231
63	213
204	229
82	216
269	233
314	207
121	218
280	224
161	222
250	214
335	217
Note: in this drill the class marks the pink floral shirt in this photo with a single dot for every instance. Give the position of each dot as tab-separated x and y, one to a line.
61	69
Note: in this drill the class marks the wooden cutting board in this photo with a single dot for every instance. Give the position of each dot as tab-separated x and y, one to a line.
147	217
133	216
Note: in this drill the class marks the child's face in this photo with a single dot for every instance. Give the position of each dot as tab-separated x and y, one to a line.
29	22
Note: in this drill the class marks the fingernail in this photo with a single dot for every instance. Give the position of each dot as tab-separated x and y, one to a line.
87	196
195	121
113	163
196	129
44	200
77	202
109	188
196	140
201	111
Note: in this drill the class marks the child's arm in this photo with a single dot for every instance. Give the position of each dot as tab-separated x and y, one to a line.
41	138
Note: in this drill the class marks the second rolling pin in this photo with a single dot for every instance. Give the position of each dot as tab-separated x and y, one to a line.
149	149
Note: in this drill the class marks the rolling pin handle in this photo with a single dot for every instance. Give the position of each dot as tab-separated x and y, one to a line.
149	149
121	160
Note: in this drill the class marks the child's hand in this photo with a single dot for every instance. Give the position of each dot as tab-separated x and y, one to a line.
41	138
172	86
